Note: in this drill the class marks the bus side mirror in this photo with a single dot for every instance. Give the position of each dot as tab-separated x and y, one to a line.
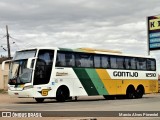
4	63
30	63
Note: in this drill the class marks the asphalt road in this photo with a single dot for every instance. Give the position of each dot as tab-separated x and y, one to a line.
150	102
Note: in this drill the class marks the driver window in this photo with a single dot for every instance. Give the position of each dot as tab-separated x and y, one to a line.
43	67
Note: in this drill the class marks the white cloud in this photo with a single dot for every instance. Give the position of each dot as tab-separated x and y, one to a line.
103	24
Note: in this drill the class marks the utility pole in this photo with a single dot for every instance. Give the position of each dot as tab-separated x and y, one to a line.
8	45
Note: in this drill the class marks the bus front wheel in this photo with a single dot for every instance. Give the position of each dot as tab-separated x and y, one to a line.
62	94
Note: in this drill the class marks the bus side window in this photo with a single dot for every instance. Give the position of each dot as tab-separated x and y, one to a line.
60	60
120	62
105	62
151	64
97	61
77	60
141	64
84	60
70	59
78	63
113	62
127	63
133	63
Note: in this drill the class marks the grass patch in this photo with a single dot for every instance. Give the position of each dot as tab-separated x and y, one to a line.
3	91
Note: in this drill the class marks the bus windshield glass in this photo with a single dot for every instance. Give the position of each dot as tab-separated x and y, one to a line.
19	73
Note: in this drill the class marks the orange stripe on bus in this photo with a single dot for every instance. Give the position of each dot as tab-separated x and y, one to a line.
109	84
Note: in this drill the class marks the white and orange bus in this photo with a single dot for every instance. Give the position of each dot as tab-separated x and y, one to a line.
61	73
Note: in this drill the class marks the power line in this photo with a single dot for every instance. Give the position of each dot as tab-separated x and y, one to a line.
26	45
2	46
13	42
3	37
14	38
6	44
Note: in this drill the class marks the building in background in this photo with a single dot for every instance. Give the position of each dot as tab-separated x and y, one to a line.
4	74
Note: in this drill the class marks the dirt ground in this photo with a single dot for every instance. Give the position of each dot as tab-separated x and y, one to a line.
5	98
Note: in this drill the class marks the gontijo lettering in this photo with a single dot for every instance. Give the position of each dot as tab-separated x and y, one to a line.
125	74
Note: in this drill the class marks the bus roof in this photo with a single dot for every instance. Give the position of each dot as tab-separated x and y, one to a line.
102	51
89	50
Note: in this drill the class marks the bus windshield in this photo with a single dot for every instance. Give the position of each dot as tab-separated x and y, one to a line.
19	73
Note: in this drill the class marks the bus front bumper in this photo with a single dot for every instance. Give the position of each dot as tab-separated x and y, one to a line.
23	93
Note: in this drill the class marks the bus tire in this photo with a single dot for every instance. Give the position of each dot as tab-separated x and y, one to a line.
139	92
39	100
62	94
130	93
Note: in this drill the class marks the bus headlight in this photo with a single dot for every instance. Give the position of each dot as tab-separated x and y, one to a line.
27	87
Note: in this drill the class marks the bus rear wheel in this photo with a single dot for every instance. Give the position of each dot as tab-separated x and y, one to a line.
62	94
39	100
139	92
130	94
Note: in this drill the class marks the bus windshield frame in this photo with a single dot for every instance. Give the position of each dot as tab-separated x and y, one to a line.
19	73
